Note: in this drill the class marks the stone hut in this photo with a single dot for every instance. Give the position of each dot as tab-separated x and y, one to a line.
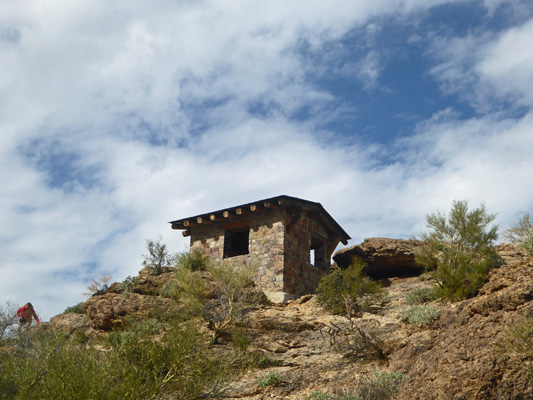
291	241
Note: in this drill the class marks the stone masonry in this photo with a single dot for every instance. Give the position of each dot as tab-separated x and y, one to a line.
278	236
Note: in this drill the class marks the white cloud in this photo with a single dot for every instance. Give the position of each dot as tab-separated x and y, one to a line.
507	65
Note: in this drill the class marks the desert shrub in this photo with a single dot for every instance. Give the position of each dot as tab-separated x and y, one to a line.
420	315
134	366
170	290
98	286
76	309
349	286
361	343
191	290
8	319
319	395
384	387
519	345
458	250
158	257
233	293
241	338
420	296
272	379
521	232
129	285
194	261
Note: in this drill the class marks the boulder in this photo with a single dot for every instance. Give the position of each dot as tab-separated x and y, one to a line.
109	311
70	323
385	258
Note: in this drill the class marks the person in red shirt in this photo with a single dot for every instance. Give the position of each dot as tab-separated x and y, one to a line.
25	315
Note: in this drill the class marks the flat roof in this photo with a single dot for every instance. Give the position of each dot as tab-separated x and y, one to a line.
272	202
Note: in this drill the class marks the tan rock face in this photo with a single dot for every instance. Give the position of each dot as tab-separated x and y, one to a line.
70	323
467	358
109	311
462	355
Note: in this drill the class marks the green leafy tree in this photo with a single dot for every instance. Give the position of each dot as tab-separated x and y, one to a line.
343	290
521	232
458	250
158	257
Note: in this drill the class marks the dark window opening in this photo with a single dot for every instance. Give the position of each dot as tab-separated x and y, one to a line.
236	243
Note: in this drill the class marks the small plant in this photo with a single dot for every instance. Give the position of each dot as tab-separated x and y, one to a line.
384	386
420	315
158	257
353	341
77	309
520	344
236	293
390	381
241	339
350	285
420	296
458	250
8	319
233	292
98	286
170	290
521	232
272	379
129	284
80	337
194	261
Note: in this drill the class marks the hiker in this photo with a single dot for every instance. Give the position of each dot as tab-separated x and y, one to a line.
25	315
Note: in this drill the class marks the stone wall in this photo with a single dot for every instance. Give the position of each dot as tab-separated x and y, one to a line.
302	277
281	255
266	237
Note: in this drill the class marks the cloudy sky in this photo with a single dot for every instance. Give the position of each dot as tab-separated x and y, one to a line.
118	116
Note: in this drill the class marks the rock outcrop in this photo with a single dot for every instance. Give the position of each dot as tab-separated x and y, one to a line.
468	356
462	355
109	311
70	323
385	258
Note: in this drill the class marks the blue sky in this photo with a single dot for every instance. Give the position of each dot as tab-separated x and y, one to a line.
119	116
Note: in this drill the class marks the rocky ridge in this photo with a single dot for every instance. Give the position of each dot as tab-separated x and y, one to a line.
460	355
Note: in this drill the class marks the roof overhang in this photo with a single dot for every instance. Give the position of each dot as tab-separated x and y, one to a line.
293	205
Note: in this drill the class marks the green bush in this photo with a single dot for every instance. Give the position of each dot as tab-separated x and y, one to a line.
319	395
77	309
384	387
133	366
158	257
129	285
458	250
232	292
521	232
420	296
194	261
420	315
170	290
272	379
343	290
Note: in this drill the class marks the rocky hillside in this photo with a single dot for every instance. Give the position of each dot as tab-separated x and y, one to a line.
460	352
